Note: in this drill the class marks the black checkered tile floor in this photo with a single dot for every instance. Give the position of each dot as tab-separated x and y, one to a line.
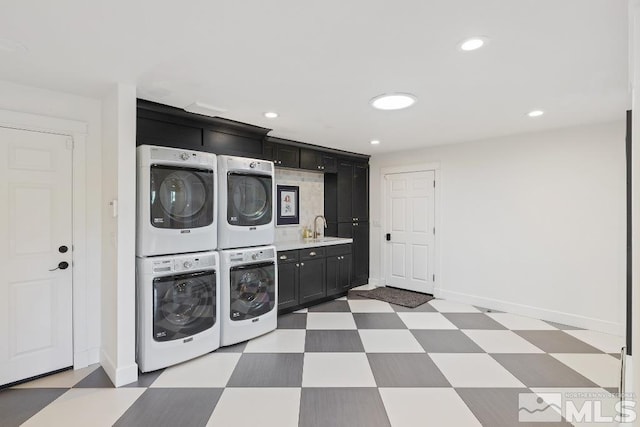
349	362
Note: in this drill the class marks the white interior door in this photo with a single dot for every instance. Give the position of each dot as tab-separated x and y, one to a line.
35	222
410	253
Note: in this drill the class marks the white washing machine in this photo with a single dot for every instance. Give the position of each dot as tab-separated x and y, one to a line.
177	201
248	294
246	195
178	300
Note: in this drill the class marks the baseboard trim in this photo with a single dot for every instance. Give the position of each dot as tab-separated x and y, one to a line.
376	282
118	376
536	312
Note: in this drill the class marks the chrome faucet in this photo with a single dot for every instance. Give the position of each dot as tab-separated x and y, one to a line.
315	223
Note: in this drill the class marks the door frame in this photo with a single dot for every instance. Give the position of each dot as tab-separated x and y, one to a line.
77	131
384	252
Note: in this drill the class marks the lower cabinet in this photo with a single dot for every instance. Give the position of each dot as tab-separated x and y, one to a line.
312	274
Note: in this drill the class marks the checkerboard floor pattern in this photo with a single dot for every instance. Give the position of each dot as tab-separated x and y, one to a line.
348	362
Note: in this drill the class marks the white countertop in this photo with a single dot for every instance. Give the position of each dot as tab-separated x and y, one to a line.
288	245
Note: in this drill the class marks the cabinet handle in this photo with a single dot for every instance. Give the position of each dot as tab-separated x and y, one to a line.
302	264
283	257
312	254
297	265
322	167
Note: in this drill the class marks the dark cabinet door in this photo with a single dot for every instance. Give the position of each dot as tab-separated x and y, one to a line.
287	285
310	159
333	275
269	151
344	273
360	192
329	163
345	187
312	280
360	253
287	156
345	229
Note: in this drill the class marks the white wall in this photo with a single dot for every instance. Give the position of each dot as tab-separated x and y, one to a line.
118	233
532	224
61	105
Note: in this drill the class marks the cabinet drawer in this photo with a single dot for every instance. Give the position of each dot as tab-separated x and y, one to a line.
311	253
287	256
338	250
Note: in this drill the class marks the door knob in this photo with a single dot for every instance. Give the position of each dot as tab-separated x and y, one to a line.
62	266
62	249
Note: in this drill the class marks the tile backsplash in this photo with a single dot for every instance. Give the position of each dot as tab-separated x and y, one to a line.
311	200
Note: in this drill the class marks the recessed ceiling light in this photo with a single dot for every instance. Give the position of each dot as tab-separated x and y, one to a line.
271	115
393	101
473	43
535	113
11	46
375	142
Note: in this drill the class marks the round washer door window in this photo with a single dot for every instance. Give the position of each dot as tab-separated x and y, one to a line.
249	199
252	291
182	195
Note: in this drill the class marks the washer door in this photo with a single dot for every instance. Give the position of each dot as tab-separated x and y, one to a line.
249	200
183	305
253	290
181	197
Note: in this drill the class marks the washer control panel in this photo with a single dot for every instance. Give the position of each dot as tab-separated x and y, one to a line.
184	263
253	255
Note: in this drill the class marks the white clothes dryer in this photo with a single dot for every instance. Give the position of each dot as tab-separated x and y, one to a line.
177	201
178	301
249	293
247	194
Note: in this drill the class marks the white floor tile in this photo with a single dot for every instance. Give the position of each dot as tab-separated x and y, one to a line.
602	369
366	287
521	323
369	306
445	306
66	379
278	341
330	321
86	407
426	321
211	370
436	406
337	370
302	310
605	342
501	341
474	370
251	407
389	341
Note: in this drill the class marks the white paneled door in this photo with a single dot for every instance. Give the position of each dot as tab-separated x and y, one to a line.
410	246
35	243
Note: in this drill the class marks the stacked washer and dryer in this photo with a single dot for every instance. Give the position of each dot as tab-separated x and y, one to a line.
191	298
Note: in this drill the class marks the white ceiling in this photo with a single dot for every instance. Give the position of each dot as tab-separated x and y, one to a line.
319	63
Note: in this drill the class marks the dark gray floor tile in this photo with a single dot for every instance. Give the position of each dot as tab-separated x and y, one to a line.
612	390
557	342
446	341
334	306
333	341
146	379
236	348
473	321
18	405
96	379
292	321
542	370
424	308
497	407
405	370
616	355
268	370
564	327
169	407
378	321
342	407
353	295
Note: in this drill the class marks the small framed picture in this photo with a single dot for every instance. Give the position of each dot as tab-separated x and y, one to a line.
288	205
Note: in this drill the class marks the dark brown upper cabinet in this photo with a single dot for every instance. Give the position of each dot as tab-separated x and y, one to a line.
282	155
317	161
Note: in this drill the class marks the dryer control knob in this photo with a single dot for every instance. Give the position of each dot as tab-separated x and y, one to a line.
254	257
187	264
252	165
184	156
